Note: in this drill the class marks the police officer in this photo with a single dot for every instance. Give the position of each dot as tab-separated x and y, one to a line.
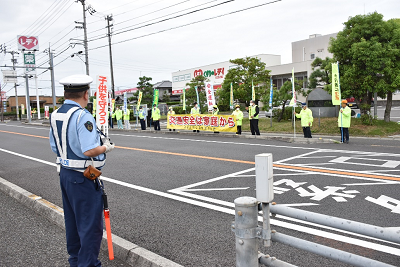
77	143
306	120
155	115
253	117
142	118
239	117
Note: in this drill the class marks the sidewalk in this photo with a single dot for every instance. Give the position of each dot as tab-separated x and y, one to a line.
32	234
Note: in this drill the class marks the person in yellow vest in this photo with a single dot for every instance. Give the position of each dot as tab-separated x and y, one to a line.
344	119
215	111
253	117
195	111
118	117
94	105
127	114
171	112
239	117
306	120
155	115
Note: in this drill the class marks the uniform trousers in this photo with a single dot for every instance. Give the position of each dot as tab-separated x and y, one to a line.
119	122
254	127
156	125
307	132
239	129
142	124
83	206
344	134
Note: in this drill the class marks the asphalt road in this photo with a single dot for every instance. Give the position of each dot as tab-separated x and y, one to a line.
173	194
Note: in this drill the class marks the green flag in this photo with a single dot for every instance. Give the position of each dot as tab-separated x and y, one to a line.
184	99
231	98
253	92
155	97
336	97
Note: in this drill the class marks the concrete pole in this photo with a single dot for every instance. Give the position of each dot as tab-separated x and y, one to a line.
85	42
15	85
28	100
246	212
53	89
37	97
109	18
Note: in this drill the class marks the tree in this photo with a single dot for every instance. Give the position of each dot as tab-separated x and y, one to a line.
361	49
61	100
248	70
322	73
281	96
391	71
191	96
146	88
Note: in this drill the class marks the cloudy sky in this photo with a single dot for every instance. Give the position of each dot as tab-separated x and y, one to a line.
158	50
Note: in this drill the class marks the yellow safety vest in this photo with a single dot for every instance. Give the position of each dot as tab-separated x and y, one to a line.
344	118
155	114
306	117
252	110
239	116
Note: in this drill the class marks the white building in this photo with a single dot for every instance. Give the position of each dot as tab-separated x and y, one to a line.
303	54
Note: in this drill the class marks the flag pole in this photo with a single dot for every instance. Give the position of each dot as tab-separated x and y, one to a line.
294	105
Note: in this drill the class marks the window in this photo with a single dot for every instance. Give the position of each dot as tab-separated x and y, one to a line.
187	76
175	79
181	78
312	56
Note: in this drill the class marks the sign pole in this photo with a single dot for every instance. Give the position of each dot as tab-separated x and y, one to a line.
28	100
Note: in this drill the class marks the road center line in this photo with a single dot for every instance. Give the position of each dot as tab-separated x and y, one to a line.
318	170
304	229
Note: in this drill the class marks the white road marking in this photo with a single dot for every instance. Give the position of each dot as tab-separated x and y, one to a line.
387	164
217	189
304	229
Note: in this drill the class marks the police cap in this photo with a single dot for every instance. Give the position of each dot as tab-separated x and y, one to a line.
76	83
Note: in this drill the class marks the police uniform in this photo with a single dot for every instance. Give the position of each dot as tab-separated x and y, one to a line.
72	133
142	118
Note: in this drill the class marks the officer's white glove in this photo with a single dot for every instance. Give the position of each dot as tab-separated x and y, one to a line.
109	146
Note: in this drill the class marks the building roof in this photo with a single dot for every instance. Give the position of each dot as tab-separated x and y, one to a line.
163	84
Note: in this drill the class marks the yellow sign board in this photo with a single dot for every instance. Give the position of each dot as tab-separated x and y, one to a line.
217	123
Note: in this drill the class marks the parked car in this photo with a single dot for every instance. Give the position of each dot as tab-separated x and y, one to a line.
269	113
353	104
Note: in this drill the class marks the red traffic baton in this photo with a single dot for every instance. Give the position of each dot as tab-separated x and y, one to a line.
108	227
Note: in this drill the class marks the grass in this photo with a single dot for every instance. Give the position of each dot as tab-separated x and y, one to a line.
328	126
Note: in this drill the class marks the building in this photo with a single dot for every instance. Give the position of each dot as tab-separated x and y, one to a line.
303	54
165	88
43	101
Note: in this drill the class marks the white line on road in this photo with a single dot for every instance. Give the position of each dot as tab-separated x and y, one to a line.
304	229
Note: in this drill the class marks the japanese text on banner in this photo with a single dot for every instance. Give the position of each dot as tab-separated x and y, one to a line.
210	95
203	122
101	101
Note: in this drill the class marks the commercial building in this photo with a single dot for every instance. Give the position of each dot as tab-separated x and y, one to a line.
303	54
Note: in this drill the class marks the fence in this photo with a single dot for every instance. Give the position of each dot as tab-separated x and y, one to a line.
248	232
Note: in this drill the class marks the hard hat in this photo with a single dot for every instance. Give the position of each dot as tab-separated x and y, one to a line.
344	101
237	106
170	107
215	106
76	83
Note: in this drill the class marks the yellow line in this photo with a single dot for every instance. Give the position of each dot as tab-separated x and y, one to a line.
242	161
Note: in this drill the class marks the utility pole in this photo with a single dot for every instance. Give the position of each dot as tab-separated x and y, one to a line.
109	18
28	99
53	89
15	84
85	37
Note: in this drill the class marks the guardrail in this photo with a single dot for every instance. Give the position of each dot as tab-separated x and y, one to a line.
248	232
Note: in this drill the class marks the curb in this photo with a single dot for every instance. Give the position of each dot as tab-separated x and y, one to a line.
124	250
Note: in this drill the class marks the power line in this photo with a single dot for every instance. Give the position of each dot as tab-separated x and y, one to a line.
184	25
51	23
163	20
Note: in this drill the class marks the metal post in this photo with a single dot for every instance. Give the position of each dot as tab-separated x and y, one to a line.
109	18
15	85
376	105
37	97
53	89
319	117
28	100
245	228
85	42
327	252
